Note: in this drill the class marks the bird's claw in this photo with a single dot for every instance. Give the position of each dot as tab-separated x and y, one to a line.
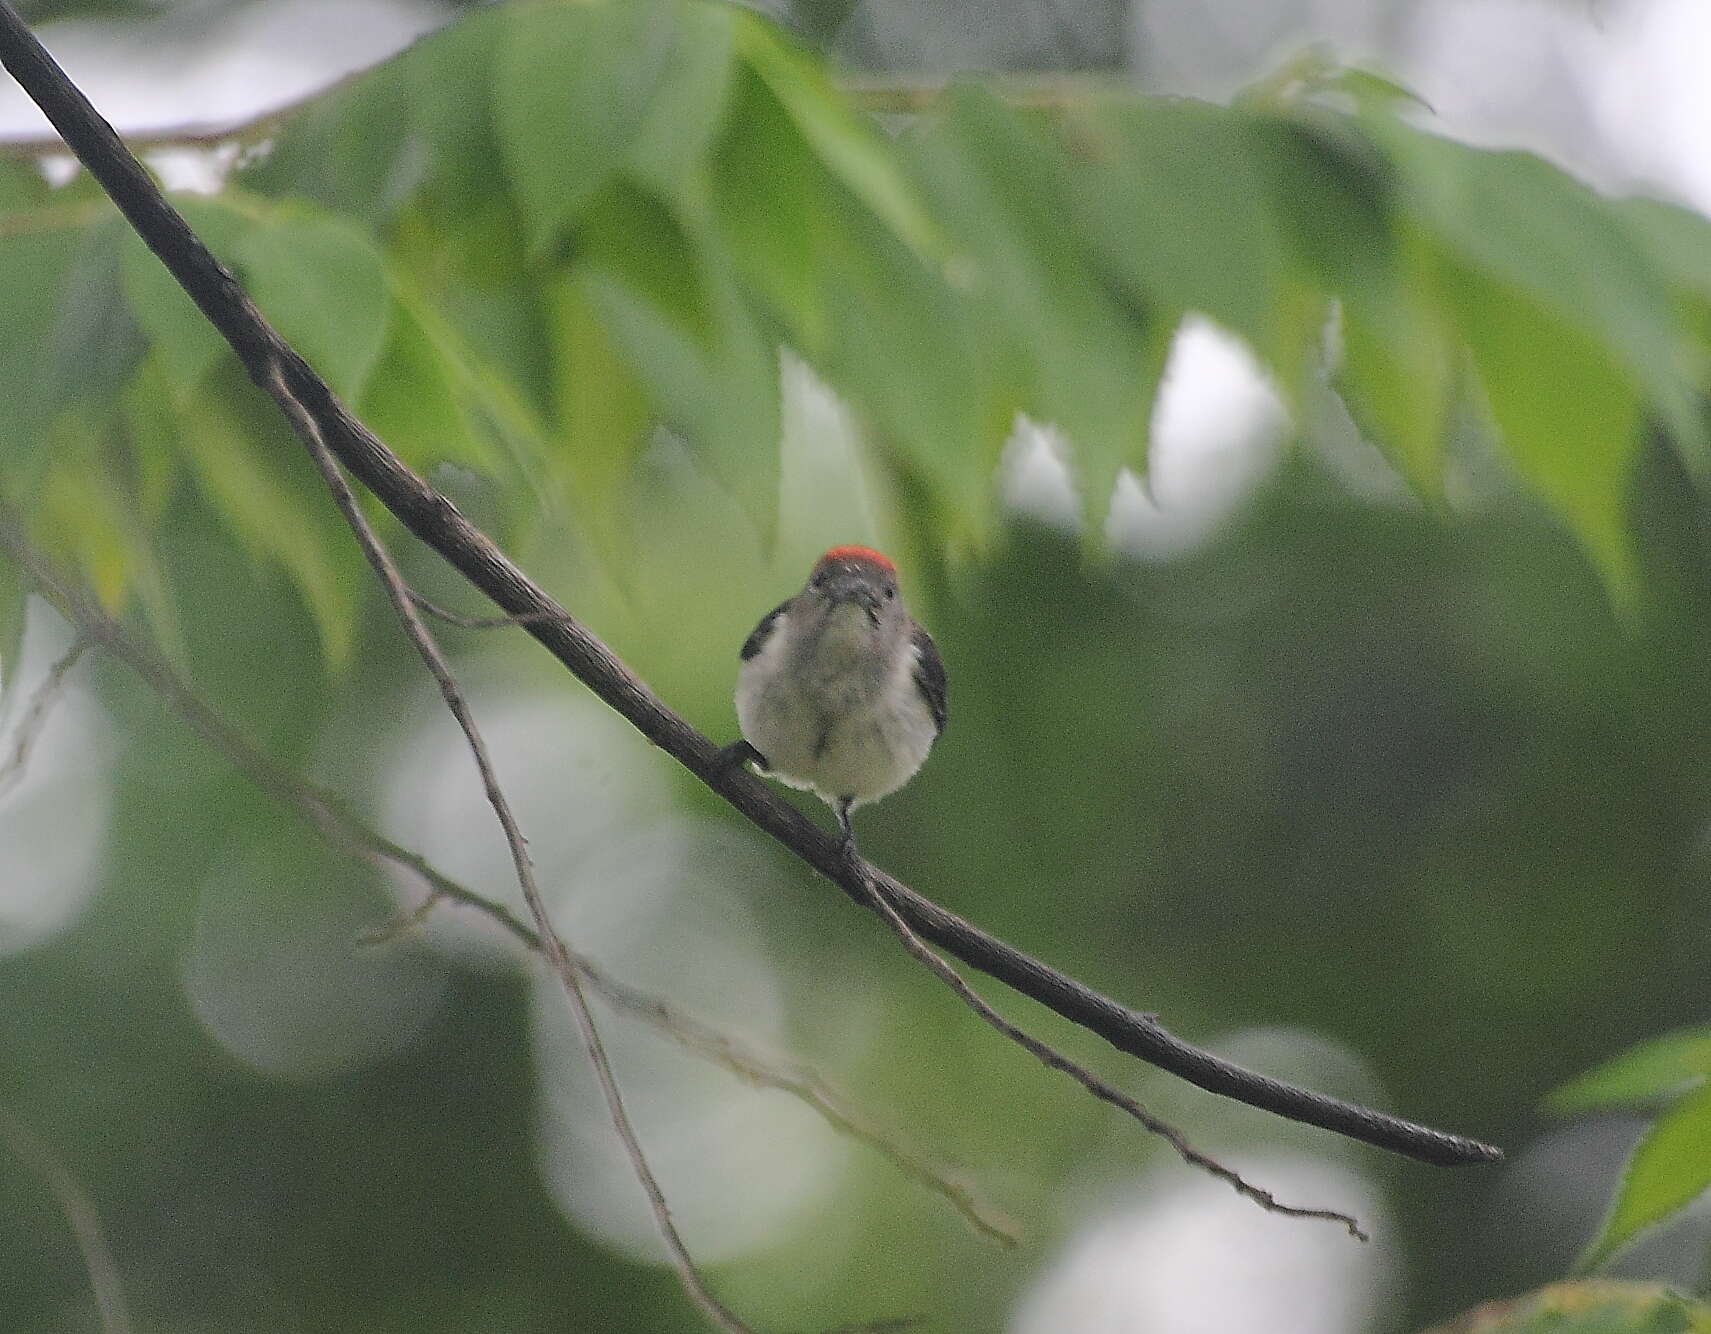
737	754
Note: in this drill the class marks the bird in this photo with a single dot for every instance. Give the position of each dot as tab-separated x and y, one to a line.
840	691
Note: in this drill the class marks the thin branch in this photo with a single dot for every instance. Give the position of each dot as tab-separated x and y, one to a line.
462	622
552	948
1056	1060
437	521
753	1068
33	721
80	1212
332	818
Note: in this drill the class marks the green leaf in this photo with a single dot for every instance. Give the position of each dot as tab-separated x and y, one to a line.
844	139
1568	418
1532	228
413	402
885	329
1330	199
359	149
1677	239
911	356
782	217
88	518
1528	224
33	269
1368	90
1659	1068
575	84
1400	364
85	515
96	344
479	300
688	110
1679	243
149	421
322	284
66	340
256	478
1316	74
1079	358
880	325
318	279
1587	1306
603	410
185	344
1179	211
1670	1168
677	315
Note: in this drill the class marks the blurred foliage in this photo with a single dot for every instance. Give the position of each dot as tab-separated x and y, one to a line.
563	223
1588	1308
1387	772
1671	1165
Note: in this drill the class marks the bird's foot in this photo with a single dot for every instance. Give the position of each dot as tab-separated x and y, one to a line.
737	754
846	834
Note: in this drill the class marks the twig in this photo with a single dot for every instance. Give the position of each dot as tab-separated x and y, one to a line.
436	520
328	814
476	622
33	720
1056	1060
750	1066
79	1210
552	948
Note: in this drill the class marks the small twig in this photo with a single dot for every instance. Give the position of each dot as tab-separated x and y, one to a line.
1056	1060
478	622
309	430
80	1212
33	721
329	816
766	1072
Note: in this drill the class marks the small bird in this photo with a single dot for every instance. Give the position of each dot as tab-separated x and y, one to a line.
840	691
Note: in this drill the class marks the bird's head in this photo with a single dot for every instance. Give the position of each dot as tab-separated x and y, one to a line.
856	577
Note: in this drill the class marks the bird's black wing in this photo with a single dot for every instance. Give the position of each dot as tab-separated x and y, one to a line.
762	632
930	677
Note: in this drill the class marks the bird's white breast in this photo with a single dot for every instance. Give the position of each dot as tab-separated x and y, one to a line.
831	715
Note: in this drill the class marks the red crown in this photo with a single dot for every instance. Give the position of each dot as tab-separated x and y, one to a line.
857	556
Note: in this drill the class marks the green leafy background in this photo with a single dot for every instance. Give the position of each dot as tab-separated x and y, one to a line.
1422	776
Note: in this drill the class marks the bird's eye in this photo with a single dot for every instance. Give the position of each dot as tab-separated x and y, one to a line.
819	580
890	593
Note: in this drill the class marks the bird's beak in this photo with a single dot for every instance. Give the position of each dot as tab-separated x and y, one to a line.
854	588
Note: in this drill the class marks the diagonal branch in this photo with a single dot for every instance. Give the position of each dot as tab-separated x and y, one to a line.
434	519
328	814
552	948
1056	1060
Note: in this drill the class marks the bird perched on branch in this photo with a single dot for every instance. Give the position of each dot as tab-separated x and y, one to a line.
840	691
